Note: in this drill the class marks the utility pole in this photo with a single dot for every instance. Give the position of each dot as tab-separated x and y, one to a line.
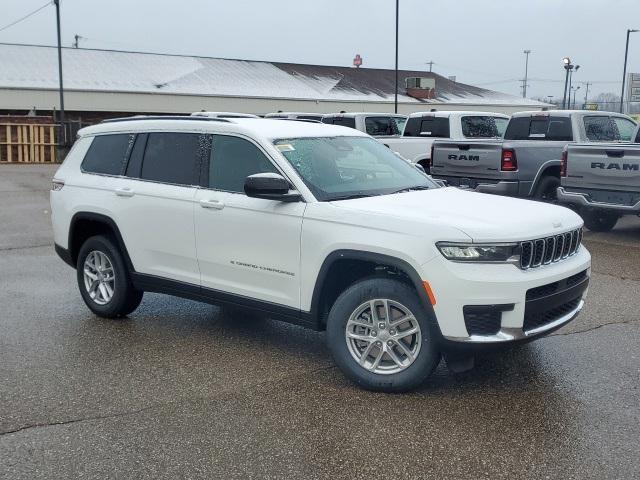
395	103
526	74
567	66
57	4
586	92
624	71
430	63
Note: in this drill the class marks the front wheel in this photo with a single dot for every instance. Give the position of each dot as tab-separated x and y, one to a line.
381	337
599	221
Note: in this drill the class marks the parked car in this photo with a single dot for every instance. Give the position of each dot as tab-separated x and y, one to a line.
601	181
296	116
223	115
527	162
374	124
317	225
422	128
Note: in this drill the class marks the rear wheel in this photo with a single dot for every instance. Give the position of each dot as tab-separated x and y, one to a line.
546	190
599	221
380	336
104	280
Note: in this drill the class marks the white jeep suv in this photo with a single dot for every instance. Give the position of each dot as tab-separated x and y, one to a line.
317	225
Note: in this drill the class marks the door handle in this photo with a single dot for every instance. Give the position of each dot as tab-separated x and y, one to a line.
124	192
214	204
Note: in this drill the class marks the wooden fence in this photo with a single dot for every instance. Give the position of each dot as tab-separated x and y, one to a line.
27	143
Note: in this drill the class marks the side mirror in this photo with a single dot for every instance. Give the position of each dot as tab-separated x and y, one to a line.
270	186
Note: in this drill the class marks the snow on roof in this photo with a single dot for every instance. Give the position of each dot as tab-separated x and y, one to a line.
36	67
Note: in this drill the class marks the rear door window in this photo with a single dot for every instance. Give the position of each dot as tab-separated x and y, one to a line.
107	154
376	126
173	158
600	129
479	126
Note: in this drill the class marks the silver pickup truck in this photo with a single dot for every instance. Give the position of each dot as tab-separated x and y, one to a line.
527	162
601	181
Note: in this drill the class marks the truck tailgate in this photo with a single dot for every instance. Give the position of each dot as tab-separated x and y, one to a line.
473	159
603	166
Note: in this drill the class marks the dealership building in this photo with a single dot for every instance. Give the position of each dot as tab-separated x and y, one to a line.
105	83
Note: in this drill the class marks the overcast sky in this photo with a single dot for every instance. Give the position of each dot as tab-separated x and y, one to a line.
479	41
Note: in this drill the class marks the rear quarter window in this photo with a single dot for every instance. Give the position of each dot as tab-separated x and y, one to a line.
107	154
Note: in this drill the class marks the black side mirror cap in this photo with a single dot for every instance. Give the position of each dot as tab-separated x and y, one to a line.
270	186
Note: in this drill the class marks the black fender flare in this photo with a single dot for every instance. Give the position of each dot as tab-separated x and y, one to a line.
374	257
541	173
99	218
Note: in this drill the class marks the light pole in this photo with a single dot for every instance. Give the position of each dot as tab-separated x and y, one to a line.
624	71
567	66
397	23
575	90
574	69
526	73
57	4
550	97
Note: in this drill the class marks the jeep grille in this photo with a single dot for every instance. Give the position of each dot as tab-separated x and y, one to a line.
543	251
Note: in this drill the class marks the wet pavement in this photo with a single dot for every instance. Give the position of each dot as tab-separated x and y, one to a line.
180	390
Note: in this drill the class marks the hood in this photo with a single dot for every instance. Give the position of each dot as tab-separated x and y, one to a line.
483	217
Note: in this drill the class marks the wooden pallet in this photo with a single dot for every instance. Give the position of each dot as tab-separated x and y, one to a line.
27	143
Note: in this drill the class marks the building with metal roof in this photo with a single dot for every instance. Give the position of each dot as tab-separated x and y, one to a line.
105	82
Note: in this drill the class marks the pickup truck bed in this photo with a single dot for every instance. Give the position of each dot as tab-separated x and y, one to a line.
602	181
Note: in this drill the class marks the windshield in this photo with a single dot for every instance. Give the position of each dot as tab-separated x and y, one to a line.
335	168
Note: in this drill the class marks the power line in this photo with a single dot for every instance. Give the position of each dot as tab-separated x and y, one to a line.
26	16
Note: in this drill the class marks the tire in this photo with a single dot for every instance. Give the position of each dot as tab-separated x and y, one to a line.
389	375
96	255
599	221
546	191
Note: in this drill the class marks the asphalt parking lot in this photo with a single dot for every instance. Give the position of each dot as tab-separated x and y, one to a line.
179	390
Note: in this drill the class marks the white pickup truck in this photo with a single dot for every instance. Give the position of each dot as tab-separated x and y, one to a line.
422	128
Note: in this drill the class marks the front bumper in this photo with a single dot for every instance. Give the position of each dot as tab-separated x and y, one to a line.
582	200
483	185
460	285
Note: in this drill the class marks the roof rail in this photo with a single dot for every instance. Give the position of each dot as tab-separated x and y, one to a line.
305	120
166	117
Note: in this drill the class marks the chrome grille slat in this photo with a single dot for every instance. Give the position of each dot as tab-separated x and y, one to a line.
544	251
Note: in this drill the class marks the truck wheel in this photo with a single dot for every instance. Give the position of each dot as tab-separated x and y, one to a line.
103	279
380	336
599	221
546	190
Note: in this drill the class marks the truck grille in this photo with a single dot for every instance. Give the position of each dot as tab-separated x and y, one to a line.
543	251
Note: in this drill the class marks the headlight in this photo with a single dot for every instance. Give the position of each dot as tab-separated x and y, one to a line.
461	252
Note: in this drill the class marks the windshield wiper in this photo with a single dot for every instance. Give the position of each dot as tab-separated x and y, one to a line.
411	189
351	197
